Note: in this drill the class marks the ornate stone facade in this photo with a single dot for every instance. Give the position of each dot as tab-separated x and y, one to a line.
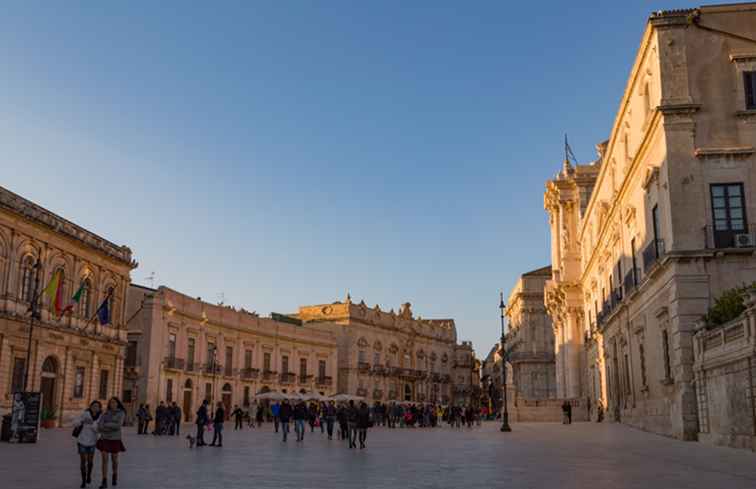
644	238
186	350
73	359
395	356
530	338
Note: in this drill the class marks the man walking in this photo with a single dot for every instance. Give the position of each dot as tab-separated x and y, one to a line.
284	415
300	415
275	410
352	424
201	421
330	418
238	415
220	417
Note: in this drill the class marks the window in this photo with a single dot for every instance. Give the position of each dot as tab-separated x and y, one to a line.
749	81
190	354
285	364
208	391
211	354
303	367
361	356
247	359
376	358
266	362
172	346
229	360
78	389
245	401
27	279
85	300
665	353
728	208
17	384
169	391
103	394
322	369
131	354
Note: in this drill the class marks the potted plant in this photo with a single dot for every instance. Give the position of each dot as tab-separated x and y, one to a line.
47	418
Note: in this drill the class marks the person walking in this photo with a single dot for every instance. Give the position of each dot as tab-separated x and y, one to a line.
86	439
147	419
330	417
141	415
352	424
275	411
110	443
238	415
284	416
260	415
300	415
566	413
220	417
202	421
176	412
363	423
341	417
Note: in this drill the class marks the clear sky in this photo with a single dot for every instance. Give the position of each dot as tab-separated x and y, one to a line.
284	153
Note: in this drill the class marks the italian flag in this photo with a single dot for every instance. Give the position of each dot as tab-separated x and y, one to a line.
54	291
74	300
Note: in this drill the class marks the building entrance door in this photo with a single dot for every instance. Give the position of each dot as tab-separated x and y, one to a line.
407	392
47	387
187	408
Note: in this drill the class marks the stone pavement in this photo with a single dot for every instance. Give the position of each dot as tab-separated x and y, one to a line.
582	455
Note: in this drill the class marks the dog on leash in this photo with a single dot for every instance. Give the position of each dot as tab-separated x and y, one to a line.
192	441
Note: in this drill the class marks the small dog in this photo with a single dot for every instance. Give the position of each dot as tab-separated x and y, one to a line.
192	441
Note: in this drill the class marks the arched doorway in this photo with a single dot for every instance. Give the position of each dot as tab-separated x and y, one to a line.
226	398
47	387
407	392
187	400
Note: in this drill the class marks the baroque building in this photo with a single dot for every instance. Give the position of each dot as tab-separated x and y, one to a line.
387	356
647	236
182	349
74	360
530	338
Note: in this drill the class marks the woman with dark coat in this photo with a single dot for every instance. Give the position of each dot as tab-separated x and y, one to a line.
363	423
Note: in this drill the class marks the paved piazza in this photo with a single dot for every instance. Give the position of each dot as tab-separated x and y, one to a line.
582	455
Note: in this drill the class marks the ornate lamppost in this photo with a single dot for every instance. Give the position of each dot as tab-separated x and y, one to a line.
34	307
505	413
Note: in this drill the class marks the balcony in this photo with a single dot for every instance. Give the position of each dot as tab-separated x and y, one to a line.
212	369
249	373
173	363
287	378
436	377
363	367
192	367
269	375
395	371
378	369
421	374
651	254
305	379
229	372
324	380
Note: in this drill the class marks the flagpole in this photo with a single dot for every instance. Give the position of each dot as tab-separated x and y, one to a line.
107	298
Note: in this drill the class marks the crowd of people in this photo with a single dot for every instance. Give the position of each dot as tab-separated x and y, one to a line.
167	419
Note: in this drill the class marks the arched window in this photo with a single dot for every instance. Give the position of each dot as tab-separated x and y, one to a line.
188	384
27	279
85	299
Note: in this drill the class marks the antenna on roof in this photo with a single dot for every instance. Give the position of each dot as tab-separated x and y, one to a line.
151	279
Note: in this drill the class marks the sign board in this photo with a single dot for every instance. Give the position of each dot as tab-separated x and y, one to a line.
25	415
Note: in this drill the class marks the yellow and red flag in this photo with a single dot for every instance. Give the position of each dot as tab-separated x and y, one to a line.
54	291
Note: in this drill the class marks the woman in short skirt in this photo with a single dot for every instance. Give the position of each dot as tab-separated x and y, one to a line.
110	443
86	425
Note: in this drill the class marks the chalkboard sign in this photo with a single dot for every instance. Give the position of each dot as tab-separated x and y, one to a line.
25	417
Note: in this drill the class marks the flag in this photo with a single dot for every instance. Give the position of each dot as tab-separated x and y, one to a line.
75	299
103	312
54	291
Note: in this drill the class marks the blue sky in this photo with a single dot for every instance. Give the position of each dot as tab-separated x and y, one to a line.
282	153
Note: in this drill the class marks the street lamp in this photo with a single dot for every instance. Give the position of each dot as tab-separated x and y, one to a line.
505	413
34	307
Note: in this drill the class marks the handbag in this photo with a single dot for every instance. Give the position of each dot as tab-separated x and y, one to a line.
77	431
